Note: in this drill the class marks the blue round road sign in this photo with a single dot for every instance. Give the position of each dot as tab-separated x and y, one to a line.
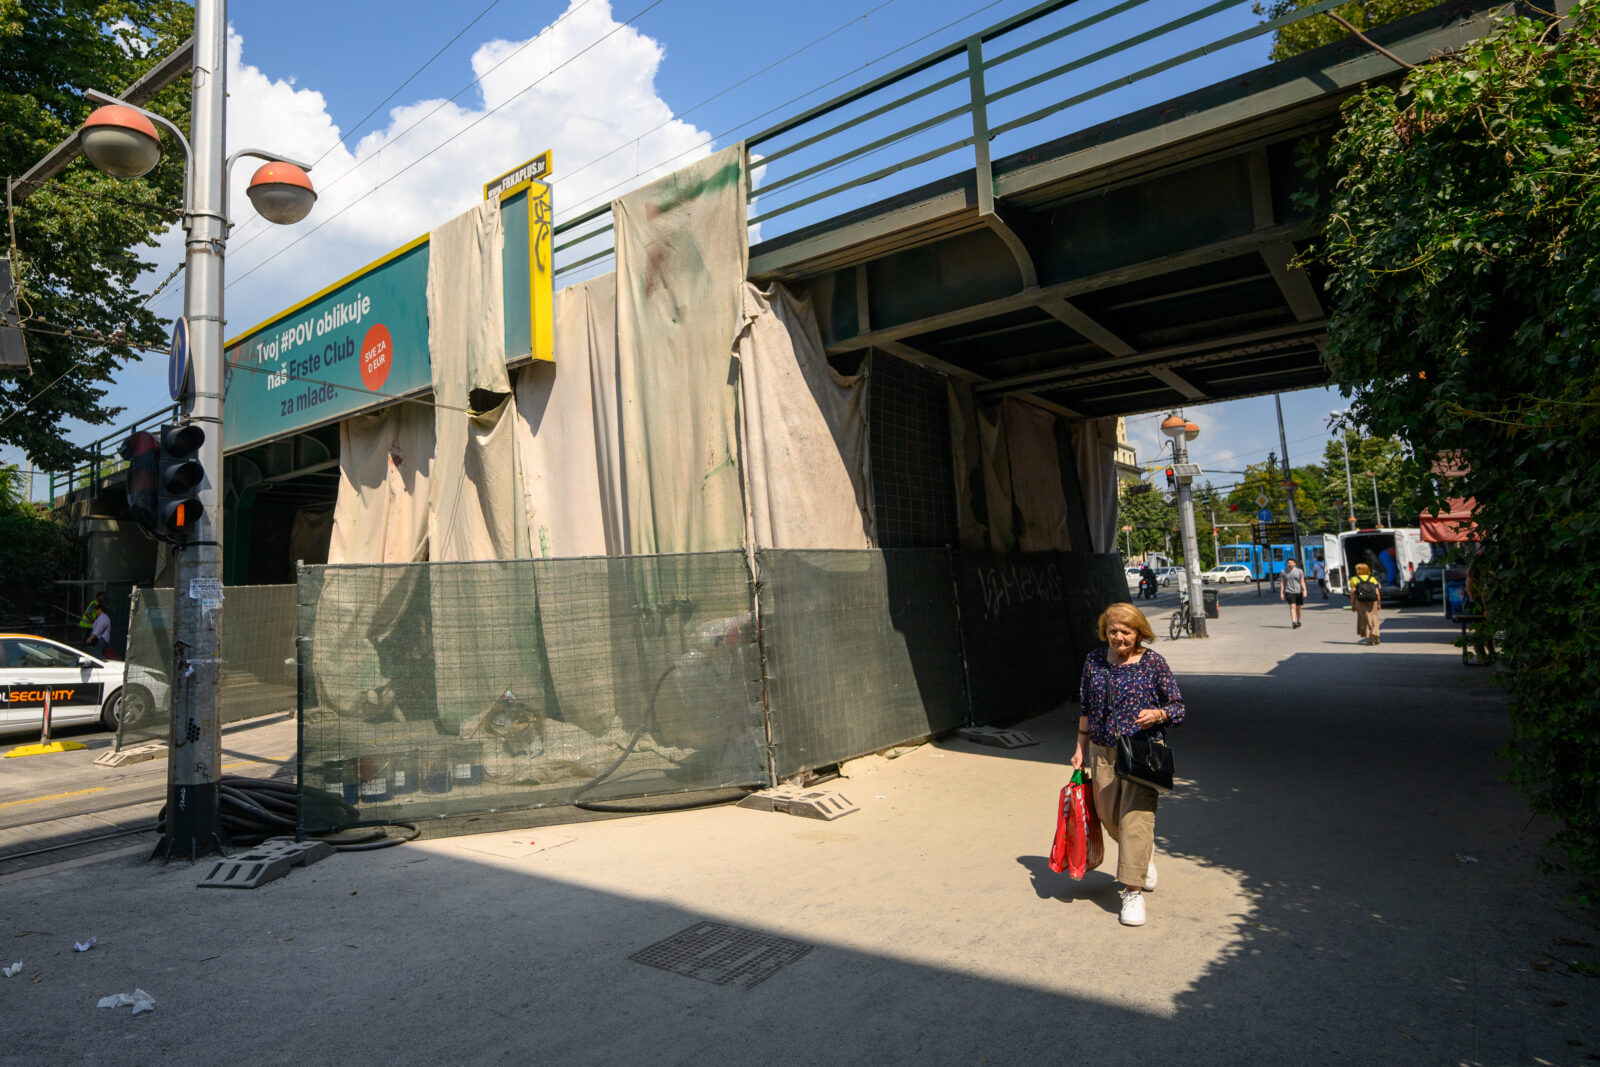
178	360
1264	515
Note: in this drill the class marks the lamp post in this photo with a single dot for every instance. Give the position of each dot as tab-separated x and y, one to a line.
1377	512
1181	431
124	141
1336	420
1288	477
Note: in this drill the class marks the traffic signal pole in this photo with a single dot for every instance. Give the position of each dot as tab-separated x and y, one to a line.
193	828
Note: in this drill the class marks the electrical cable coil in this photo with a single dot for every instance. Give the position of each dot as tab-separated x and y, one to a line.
252	810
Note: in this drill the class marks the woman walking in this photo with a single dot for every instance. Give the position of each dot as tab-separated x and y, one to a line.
1366	597
1127	687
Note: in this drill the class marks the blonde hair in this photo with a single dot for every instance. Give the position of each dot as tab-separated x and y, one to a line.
1128	616
1363	570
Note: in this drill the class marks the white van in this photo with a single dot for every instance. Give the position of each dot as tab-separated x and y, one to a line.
1390	553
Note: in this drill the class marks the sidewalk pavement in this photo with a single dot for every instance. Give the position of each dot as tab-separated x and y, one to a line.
1343	879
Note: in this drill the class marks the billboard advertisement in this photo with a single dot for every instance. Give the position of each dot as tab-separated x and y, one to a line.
362	342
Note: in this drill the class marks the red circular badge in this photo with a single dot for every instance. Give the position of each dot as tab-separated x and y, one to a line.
377	356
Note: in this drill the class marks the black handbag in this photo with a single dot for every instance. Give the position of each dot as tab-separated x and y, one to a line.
1146	760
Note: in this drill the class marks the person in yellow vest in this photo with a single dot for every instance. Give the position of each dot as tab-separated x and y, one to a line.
86	620
1366	597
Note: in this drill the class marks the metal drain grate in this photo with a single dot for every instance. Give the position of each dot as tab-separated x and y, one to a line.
722	954
989	735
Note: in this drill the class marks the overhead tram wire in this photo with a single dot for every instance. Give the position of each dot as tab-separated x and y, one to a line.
575	56
358	164
711	139
362	121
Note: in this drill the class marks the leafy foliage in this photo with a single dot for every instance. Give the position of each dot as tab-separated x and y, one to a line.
1318	30
78	235
1463	244
35	551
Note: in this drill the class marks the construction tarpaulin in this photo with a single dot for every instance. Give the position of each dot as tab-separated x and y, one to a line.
475	508
681	261
1035	460
804	431
385	470
1094	443
568	438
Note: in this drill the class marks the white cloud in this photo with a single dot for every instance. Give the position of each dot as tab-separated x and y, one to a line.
584	87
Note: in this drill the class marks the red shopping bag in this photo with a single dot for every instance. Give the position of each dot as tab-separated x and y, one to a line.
1078	847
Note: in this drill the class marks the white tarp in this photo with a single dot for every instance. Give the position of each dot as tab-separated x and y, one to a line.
475	509
1094	443
681	260
567	439
385	471
804	430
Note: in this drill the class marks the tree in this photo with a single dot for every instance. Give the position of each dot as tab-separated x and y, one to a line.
1153	517
1383	458
1462	243
77	236
1318	30
35	551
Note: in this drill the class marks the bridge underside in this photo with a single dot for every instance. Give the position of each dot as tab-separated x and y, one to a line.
1139	265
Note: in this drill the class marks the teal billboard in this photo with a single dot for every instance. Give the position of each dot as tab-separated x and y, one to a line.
362	343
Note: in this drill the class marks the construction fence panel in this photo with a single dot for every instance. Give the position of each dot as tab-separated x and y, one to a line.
441	689
258	664
862	651
1027	622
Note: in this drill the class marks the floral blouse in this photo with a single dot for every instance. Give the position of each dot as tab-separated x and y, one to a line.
1113	696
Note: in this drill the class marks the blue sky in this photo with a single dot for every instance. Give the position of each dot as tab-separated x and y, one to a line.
622	90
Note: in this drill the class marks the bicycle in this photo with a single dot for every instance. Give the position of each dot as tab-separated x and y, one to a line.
1181	623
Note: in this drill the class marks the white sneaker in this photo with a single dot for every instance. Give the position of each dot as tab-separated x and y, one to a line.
1132	908
1150	877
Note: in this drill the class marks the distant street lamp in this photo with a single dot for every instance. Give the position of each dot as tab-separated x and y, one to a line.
1182	431
1338	420
125	142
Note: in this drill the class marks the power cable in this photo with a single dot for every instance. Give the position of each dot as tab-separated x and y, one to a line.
581	52
358	164
708	140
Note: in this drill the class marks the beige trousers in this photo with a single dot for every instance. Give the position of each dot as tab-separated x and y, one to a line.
1127	810
1367	618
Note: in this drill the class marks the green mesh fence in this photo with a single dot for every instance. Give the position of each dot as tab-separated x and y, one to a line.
863	651
440	689
258	672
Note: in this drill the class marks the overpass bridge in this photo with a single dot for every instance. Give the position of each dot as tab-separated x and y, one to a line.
1033	211
1130	265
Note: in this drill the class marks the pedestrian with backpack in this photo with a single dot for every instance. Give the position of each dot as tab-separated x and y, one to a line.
1366	597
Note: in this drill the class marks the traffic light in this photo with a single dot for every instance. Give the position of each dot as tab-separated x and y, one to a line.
1172	482
143	453
181	475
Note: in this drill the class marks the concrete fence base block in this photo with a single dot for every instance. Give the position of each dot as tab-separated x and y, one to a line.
989	735
136	754
267	862
807	803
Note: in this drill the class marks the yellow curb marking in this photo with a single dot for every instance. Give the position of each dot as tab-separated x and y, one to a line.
54	796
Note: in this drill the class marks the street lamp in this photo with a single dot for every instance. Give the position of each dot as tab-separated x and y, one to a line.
1181	431
1338	420
125	142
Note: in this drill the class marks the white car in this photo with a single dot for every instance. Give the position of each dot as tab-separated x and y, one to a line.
1226	573
83	688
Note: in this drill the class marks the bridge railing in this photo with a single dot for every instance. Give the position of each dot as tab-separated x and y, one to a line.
104	460
1054	69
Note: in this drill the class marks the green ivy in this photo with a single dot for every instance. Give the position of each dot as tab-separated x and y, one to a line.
1463	245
